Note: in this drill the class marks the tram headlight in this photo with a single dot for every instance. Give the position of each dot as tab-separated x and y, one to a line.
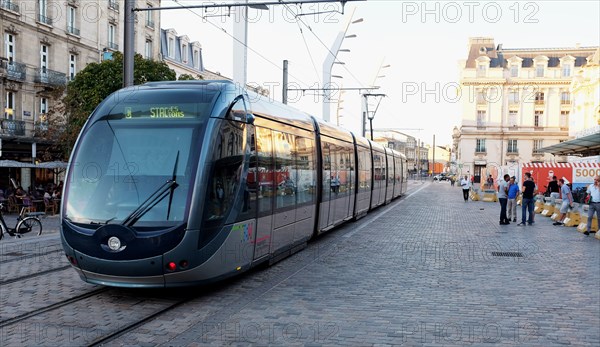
114	243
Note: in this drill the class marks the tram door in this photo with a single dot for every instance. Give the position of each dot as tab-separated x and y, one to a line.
265	190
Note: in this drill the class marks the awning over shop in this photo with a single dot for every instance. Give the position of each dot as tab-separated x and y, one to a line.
14	163
585	146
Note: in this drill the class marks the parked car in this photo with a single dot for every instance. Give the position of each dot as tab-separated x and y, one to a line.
441	177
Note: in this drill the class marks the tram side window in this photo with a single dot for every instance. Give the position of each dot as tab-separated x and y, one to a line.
228	156
351	169
305	166
326	187
285	170
390	170
364	163
266	190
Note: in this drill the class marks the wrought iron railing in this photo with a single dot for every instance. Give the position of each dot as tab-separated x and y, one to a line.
15	71
13	127
9	5
44	19
113	46
73	30
113	4
150	23
50	77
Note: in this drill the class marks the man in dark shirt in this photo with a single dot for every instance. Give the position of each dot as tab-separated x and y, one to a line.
527	203
553	187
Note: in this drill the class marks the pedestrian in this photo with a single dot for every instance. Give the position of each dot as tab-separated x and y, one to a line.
529	190
567	201
489	183
503	198
553	188
593	197
466	186
513	192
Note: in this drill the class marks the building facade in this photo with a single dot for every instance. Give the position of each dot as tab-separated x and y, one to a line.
515	102
415	150
44	44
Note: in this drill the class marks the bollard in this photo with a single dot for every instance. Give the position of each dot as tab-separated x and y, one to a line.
573	217
582	227
489	195
539	204
556	209
549	207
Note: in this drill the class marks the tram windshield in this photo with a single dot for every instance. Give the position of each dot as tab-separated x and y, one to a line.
132	150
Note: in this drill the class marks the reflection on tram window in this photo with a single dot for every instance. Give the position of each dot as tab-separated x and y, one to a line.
227	159
264	149
285	176
304	187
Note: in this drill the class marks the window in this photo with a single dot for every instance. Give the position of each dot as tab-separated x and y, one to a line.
481	98
564	119
149	19
305	171
43	106
514	70
148	49
171	48
512	146
539	98
480	146
565	98
481	115
196	59
539	70
10	46
537	144
481	70
285	177
264	151
72	66
44	59
43	11
566	70
184	54
537	118
9	102
112	30
513	97
71	20
512	118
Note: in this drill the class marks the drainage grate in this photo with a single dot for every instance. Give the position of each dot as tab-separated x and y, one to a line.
507	254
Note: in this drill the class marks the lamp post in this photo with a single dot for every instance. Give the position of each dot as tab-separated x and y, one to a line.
330	60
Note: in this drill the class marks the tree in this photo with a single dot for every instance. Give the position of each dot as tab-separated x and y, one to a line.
188	77
89	87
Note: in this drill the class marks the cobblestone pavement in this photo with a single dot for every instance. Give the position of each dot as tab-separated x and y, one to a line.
419	271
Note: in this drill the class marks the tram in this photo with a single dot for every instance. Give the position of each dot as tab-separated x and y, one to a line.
185	183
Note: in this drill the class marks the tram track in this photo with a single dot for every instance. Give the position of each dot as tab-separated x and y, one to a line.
51	307
29	256
36	274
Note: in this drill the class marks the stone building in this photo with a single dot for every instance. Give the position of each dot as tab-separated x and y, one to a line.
515	102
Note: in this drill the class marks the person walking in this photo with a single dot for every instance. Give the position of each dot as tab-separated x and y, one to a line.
503	198
567	201
513	192
527	203
466	186
593	192
553	188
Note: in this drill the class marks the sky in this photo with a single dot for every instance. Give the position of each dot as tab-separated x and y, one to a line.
422	42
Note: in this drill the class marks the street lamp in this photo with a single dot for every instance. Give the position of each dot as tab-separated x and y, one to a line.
330	60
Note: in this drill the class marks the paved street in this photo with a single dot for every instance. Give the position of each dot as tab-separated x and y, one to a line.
419	271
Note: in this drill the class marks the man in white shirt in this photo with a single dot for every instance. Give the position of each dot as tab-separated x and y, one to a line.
466	186
594	193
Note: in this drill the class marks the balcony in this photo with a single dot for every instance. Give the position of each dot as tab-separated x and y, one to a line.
9	5
512	151
73	31
45	20
565	102
536	128
113	46
113	5
480	150
539	102
12	127
150	23
50	77
14	71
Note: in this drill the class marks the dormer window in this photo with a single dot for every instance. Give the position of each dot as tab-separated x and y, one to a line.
539	70
184	54
171	48
514	70
481	70
566	70
196	59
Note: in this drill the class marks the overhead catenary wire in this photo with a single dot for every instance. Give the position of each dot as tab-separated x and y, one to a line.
233	37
